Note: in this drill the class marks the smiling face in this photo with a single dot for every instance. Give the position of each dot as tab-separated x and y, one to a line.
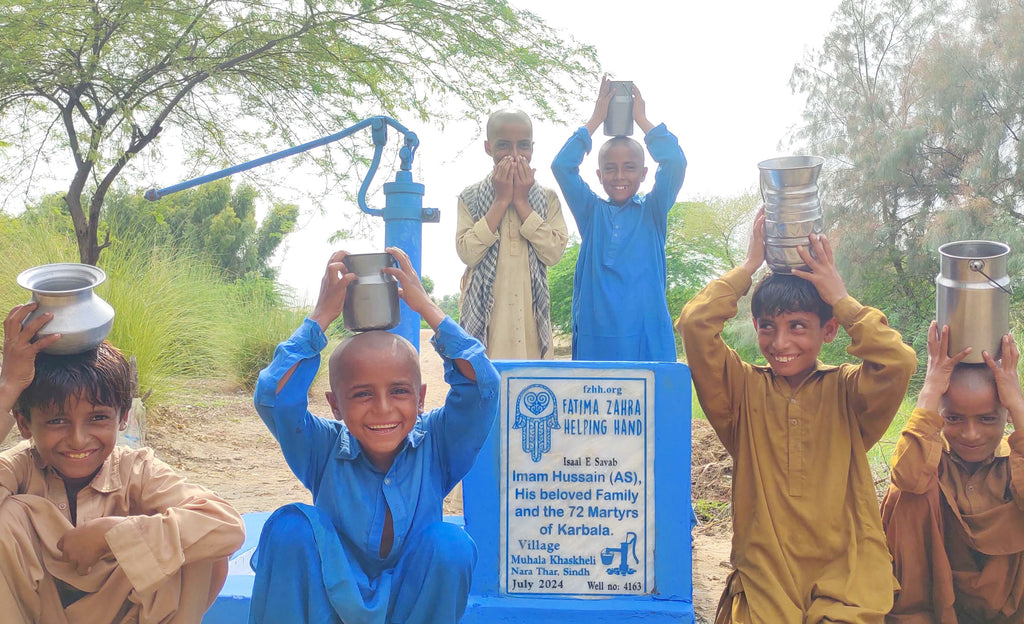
73	439
375	390
791	342
973	419
622	169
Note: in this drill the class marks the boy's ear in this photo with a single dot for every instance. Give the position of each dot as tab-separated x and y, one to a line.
643	174
333	401
487	147
831	329
423	396
23	426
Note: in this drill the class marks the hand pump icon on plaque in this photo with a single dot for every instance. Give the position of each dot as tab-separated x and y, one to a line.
536	415
622	550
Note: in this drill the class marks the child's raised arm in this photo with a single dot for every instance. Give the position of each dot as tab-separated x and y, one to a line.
412	292
604	98
877	386
1007	382
915	461
823	272
640	111
940	368
20	358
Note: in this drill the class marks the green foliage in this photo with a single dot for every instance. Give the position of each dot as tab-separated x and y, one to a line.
95	83
449	304
211	221
560	279
917	105
262	322
711	510
174	312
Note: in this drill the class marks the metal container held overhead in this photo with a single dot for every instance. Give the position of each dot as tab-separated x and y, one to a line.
789	187
371	301
972	296
66	289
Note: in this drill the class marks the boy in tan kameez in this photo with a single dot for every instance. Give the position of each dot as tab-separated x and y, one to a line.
510	231
807	542
954	514
91	532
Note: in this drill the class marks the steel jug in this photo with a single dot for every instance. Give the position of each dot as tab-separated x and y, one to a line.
371	301
972	296
619	120
789	187
66	289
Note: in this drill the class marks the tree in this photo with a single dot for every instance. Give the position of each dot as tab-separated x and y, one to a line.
918	106
560	279
212	221
704	239
90	85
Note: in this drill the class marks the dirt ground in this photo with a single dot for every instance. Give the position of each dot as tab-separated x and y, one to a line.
214	437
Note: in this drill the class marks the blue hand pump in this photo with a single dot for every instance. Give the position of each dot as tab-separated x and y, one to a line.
403	211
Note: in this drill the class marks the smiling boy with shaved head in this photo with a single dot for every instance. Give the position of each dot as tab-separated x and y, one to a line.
373	547
619	311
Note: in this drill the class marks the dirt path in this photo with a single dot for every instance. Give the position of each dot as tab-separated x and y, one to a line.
213	436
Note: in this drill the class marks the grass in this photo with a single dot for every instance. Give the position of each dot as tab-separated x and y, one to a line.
179	317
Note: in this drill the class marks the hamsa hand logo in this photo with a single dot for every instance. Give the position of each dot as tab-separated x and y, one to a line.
536	415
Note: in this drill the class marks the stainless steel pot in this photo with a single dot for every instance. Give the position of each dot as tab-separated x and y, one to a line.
371	301
66	289
972	296
789	186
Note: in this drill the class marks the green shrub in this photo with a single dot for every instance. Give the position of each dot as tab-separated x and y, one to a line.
174	311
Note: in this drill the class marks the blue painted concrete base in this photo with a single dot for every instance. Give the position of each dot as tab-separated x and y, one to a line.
495	610
232	604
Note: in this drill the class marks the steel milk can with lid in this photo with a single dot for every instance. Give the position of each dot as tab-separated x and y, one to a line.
972	296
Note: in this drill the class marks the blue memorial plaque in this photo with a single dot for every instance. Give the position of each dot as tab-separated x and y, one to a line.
579	501
577	482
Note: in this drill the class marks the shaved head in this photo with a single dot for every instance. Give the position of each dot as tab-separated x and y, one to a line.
372	344
972	377
623	141
504	116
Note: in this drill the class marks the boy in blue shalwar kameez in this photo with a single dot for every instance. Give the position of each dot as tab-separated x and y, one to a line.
373	548
619	310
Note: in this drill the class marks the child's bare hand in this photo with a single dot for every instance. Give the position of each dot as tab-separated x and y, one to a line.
19	350
604	98
523	180
503	180
411	289
823	274
1007	380
331	301
755	248
940	367
640	111
86	544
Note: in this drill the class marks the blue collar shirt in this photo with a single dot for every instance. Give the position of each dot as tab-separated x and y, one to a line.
328	460
619	310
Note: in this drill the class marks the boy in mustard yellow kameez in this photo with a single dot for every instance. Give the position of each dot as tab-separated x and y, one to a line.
807	537
954	514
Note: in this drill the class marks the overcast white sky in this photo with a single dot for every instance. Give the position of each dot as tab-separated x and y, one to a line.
716	73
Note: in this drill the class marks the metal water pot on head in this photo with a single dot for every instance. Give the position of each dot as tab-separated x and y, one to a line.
972	296
66	289
371	301
789	187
